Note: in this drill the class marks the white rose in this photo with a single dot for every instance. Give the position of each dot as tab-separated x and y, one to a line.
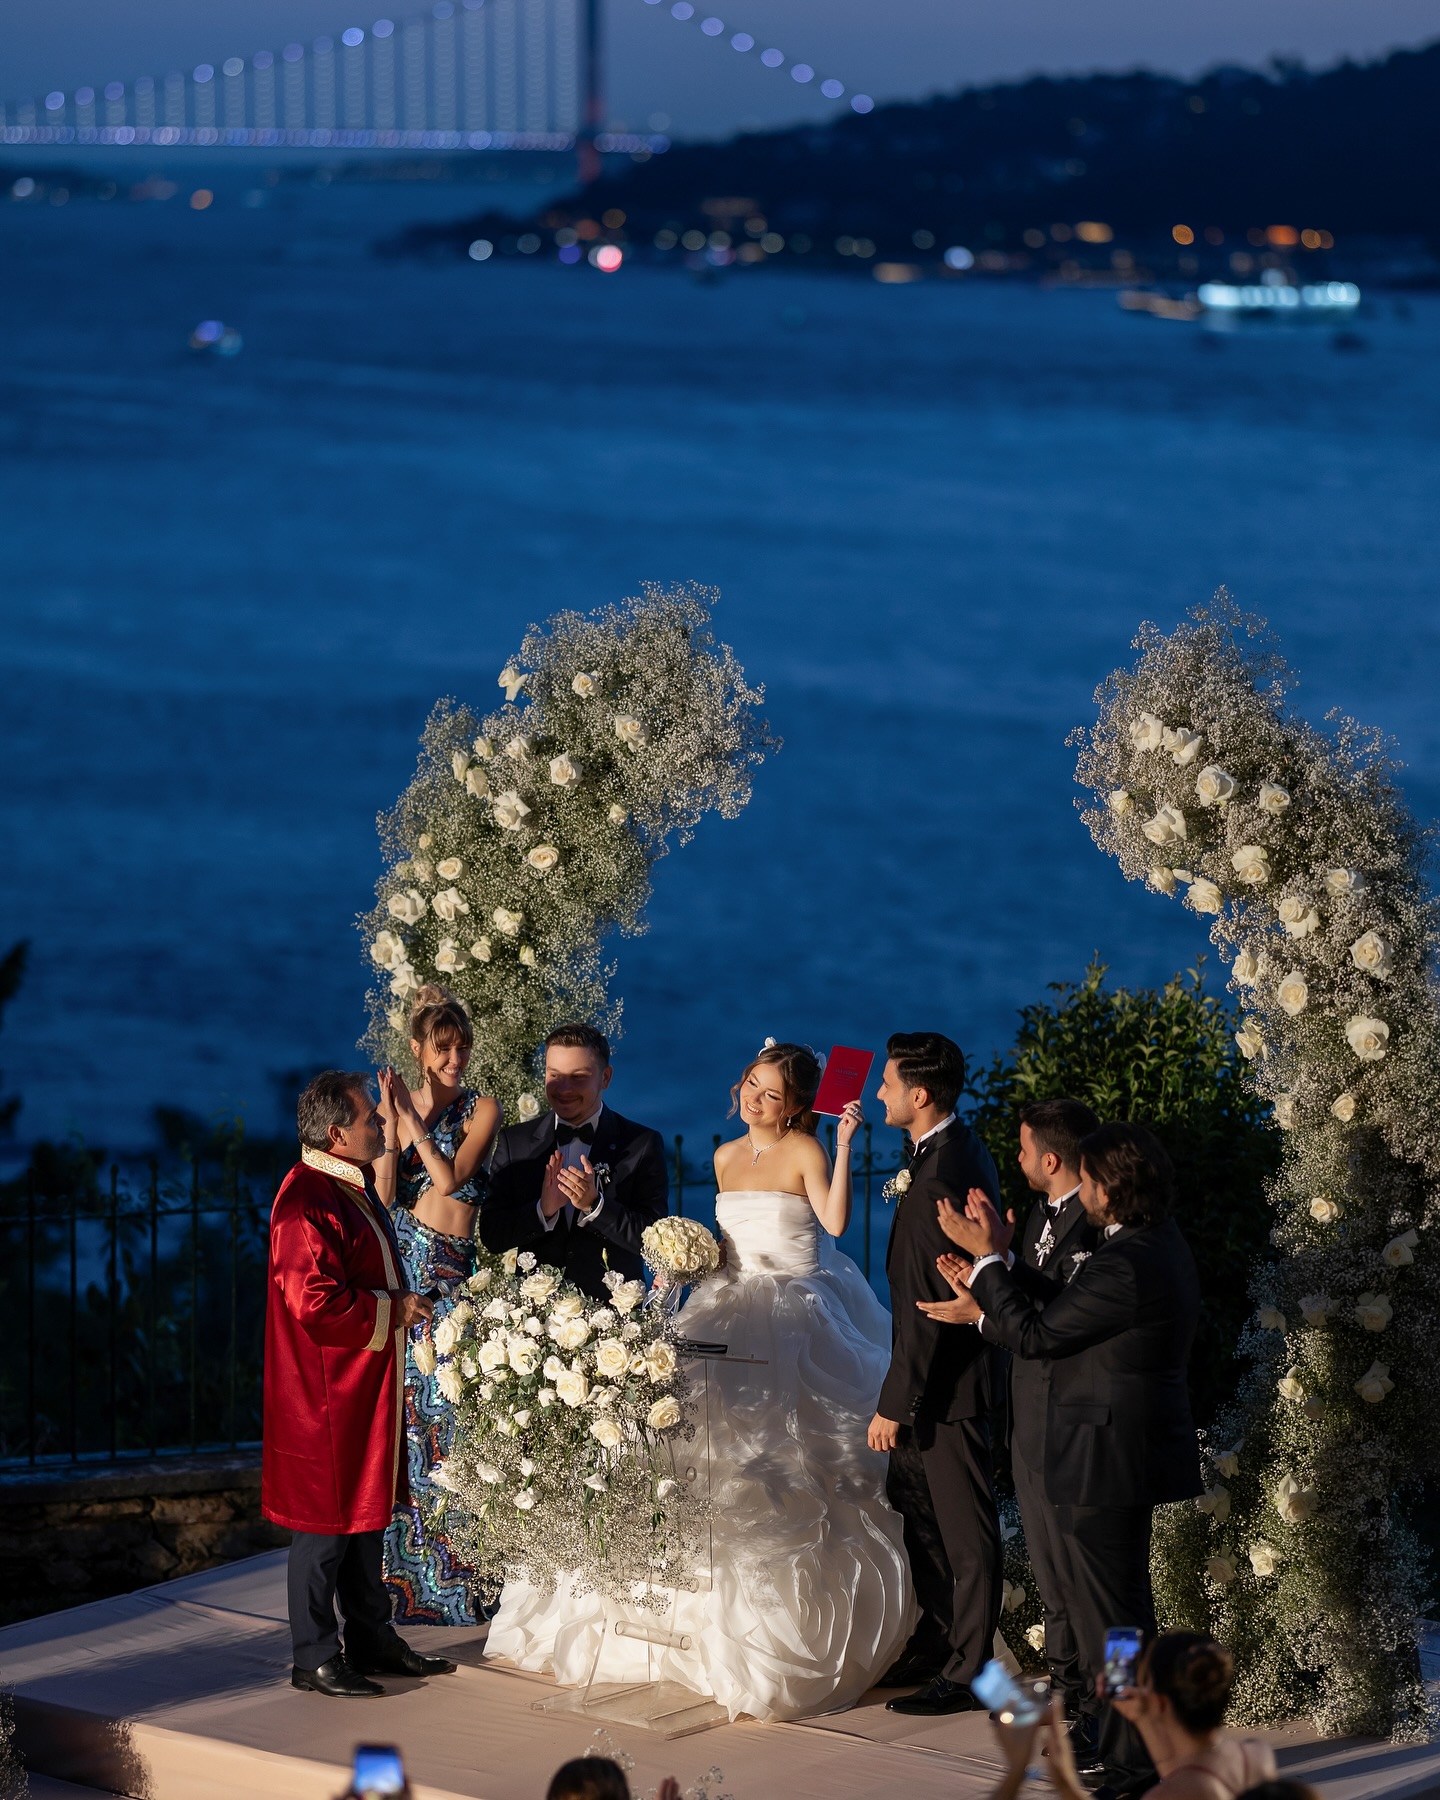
1221	1570
480	950
425	841
509	1261
509	810
1249	1041
1183	745
1204	897
568	1306
422	1352
553	1368
488	1473
611	1357
1146	732
631	1330
1162	880
447	1335
460	762
1227	1463
527	1107
637	1364
664	1414
485	748
1295	1504
607	1431
1264	1559
1290	1386
1342	883
1297	915
564	771
1247	967
586	685
511	680
602	1397
572	1387
1373	1312
408	907
1120	801
479	1281
1035	1637
1316	1308
519	747
449	958
631	731
1251	862
450	1383
506	922
451	869
1270	1319
570	1334
602	1319
665	1487
617	815
1272	799
1293	994
403	979
1214	786
1324	1210
660	1361
469	1368
1371	955
543	857
1167	827
1343	1107
1287	1115
387	950
1368	1038
1374	1384
527	956
546	1397
628	1296
1399	1253
1215	1501
539	1286
525	1500
477	783
493	1354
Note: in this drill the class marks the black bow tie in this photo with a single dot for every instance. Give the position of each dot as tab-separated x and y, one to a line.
567	1134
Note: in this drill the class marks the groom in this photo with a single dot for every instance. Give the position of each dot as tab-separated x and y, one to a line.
578	1185
933	1406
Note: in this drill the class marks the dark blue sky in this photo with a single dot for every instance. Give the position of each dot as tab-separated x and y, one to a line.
658	66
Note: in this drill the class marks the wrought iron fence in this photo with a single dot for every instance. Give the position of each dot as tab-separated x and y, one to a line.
137	1308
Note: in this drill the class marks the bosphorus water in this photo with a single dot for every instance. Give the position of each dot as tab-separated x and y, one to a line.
937	512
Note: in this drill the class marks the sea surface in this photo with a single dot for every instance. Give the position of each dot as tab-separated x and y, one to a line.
936	513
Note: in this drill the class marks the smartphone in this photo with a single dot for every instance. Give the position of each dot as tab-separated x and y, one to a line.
1123	1644
379	1770
998	1691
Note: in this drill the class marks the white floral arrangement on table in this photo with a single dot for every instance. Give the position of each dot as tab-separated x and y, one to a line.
528	835
1297	847
568	1412
680	1250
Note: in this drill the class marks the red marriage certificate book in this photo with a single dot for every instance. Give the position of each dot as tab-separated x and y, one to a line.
846	1072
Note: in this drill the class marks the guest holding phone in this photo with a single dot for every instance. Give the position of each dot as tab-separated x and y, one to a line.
1178	1706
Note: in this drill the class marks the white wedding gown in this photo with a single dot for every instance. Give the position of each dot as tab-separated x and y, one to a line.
810	1599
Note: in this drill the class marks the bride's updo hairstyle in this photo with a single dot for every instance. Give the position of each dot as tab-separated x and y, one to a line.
439	1019
799	1070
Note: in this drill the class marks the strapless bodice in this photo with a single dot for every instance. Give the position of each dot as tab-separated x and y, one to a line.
769	1233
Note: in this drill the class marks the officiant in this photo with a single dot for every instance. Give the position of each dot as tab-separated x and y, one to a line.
578	1185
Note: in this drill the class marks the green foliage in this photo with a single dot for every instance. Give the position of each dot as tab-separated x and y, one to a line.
1168	1060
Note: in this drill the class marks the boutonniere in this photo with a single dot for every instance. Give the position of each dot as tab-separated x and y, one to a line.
897	1185
601	1172
1079	1257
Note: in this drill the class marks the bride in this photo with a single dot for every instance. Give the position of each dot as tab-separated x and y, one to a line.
810	1598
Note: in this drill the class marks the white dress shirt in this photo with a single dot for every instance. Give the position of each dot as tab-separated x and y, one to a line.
570	1158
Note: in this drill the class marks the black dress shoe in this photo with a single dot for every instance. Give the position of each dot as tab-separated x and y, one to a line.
936	1697
337	1678
909	1671
399	1659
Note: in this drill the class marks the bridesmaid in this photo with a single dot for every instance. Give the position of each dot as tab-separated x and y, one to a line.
431	1177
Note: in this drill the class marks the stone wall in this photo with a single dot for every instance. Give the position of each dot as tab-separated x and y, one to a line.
76	1534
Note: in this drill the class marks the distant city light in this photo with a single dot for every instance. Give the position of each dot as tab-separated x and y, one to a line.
742	40
802	72
958	257
383	28
607	258
294	53
712	27
1182	234
262	59
200	199
232	66
1321	296
208	331
862	103
527	244
54	102
772	59
570	253
481	250
1091	231
353	36
203	73
24	187
1281	235
682	9
832	89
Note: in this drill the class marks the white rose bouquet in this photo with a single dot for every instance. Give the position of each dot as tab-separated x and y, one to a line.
681	1250
567	1414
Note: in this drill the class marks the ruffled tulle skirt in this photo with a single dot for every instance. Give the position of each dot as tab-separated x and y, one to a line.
809	1599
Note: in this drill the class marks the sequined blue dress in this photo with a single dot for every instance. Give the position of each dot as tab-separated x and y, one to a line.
428	1584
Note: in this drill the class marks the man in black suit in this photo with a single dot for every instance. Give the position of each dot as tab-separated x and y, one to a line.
579	1184
932	1414
1119	1439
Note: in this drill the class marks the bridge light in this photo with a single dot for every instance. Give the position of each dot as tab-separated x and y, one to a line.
772	59
862	103
262	59
85	96
442	9
682	9
352	37
481	250
232	66
711	28
203	73
802	72
114	90
607	258
294	53
832	90
742	40
383	28
54	102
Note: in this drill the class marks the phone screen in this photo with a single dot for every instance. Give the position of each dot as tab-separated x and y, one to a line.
998	1692
378	1770
1122	1657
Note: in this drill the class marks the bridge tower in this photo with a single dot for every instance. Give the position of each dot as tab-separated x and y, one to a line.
587	157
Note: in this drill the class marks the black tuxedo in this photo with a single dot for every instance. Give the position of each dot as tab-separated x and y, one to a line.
1053	1244
635	1183
1119	1439
938	1388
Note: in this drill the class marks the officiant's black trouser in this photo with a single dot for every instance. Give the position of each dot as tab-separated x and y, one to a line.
349	1568
939	1483
1049	1564
1107	1550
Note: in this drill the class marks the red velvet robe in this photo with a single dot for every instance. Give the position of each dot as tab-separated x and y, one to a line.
332	1457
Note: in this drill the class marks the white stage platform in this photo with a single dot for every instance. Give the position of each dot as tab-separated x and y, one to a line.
181	1692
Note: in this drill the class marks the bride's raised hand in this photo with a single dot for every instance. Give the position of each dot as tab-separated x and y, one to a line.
849	1123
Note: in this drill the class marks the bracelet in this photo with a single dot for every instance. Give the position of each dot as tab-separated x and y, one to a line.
428	1137
389	1149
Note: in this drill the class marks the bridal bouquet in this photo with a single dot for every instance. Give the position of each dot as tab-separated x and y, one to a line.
680	1250
567	1412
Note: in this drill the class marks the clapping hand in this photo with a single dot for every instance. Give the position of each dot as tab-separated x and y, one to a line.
962	1310
978	1230
849	1123
552	1195
579	1186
